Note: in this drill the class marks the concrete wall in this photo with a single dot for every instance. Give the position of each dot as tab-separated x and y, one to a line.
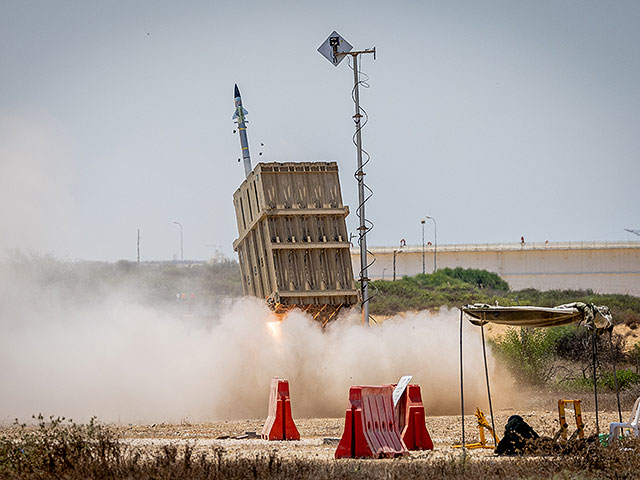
602	267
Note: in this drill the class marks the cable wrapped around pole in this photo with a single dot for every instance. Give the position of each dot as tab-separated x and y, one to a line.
615	374
461	386
486	374
360	119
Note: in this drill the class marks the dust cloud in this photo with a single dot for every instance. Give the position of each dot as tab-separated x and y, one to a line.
123	361
320	366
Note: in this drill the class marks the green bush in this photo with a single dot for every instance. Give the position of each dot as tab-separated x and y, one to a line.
447	287
626	379
571	342
528	353
479	278
537	355
606	381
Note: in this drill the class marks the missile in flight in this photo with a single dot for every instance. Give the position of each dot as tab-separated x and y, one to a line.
239	117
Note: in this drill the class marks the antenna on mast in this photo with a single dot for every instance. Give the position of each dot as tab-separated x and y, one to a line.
335	49
239	117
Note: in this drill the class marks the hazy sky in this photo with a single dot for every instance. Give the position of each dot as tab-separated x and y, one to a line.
498	118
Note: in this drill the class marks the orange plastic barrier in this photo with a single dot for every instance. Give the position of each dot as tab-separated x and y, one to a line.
370	428
411	420
279	424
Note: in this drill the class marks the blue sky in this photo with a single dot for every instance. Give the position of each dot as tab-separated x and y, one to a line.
498	118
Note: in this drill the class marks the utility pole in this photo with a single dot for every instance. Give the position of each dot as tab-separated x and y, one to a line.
423	221
181	242
435	243
395	254
138	246
335	49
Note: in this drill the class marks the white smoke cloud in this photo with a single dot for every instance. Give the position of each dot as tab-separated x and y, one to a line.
125	362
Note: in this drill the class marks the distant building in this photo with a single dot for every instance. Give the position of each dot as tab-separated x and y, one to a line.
604	267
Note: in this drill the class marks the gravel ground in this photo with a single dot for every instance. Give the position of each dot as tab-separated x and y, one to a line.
319	435
444	430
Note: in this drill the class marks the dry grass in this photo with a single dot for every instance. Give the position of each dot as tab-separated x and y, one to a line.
60	449
589	461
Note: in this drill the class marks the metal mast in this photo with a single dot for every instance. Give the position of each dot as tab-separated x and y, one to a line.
362	229
335	48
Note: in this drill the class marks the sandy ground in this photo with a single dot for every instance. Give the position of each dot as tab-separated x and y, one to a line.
319	435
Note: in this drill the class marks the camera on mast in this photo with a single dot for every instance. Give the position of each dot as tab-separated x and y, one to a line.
334	48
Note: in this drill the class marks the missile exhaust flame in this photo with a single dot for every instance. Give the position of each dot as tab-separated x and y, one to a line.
275	330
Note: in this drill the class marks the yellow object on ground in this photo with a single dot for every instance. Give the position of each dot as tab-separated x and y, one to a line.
482	424
563	420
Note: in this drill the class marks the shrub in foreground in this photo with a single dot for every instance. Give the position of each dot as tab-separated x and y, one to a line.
60	449
56	447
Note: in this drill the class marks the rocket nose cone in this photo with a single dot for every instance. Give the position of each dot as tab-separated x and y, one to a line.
236	92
